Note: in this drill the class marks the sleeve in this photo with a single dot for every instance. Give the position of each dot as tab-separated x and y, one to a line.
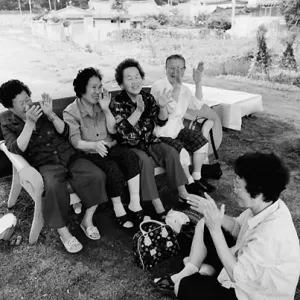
73	128
254	262
194	102
11	140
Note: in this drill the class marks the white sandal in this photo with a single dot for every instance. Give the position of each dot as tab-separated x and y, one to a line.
72	245
91	232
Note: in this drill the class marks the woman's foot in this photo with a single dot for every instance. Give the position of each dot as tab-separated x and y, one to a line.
91	231
164	284
72	245
124	222
137	217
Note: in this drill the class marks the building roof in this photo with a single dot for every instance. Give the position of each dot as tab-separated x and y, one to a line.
268	2
216	2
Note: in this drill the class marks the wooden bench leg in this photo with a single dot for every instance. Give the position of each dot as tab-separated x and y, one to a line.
15	188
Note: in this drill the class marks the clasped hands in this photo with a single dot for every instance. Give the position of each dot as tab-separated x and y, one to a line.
101	147
212	214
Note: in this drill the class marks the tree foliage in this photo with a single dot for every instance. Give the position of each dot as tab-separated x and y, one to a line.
39	5
291	11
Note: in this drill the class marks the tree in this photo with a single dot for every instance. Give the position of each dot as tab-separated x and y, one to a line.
291	11
288	60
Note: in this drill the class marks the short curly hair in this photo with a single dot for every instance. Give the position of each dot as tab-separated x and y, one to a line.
10	89
82	79
264	173
125	64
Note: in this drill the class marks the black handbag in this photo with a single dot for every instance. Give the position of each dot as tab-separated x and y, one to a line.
154	243
213	170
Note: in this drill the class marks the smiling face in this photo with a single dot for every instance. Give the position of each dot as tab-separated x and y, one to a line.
243	197
173	66
132	81
21	104
92	91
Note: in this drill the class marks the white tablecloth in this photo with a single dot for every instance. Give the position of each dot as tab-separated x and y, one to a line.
233	104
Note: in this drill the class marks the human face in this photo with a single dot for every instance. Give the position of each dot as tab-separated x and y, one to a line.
173	66
92	91
21	103
243	197
132	81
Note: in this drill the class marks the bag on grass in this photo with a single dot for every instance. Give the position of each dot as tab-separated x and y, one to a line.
212	171
154	243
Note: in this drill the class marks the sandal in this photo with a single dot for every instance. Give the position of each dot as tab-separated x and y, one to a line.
165	284
91	232
162	216
124	222
137	216
72	245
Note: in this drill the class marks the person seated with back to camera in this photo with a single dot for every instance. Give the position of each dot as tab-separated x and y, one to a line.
173	133
137	113
38	134
253	256
91	125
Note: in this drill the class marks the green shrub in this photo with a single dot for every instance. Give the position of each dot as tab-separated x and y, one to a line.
201	20
128	35
288	60
219	23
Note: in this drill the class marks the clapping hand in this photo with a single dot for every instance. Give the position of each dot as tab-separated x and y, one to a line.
46	104
105	99
164	98
100	147
140	104
33	114
212	214
198	73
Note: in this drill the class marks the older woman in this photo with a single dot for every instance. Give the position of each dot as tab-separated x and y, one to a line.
38	134
91	123
137	114
263	259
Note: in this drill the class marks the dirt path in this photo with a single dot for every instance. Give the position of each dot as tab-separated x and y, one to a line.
49	66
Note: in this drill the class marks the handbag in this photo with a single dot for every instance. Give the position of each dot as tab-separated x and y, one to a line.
212	171
154	243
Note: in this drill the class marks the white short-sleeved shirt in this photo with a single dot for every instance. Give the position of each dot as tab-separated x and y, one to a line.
186	100
268	255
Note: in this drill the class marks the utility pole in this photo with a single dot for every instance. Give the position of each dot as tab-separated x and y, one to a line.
233	17
20	7
50	8
30	9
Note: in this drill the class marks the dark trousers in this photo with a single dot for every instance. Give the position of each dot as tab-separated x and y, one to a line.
164	156
120	165
87	180
197	286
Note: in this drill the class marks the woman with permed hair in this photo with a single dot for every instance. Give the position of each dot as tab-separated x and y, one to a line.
252	256
137	113
91	125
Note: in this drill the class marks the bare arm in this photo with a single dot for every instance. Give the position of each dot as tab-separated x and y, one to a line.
32	115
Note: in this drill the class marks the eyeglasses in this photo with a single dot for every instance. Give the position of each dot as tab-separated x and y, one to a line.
173	69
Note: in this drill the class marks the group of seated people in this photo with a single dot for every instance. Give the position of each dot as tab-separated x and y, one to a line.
104	144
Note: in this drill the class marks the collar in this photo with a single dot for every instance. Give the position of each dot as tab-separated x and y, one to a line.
259	218
124	96
84	112
167	83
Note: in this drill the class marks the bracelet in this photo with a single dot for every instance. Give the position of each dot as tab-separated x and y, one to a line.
52	117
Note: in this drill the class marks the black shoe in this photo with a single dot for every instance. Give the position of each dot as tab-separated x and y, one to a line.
193	188
181	204
136	217
205	186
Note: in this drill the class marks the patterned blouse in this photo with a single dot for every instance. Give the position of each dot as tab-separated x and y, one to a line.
141	134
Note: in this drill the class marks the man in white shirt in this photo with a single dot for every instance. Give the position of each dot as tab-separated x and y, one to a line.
264	262
174	133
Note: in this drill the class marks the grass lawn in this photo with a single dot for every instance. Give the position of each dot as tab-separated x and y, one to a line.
105	269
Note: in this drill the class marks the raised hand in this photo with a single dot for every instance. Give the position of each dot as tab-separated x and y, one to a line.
164	98
105	99
140	104
46	104
198	73
101	148
212	214
33	114
197	203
